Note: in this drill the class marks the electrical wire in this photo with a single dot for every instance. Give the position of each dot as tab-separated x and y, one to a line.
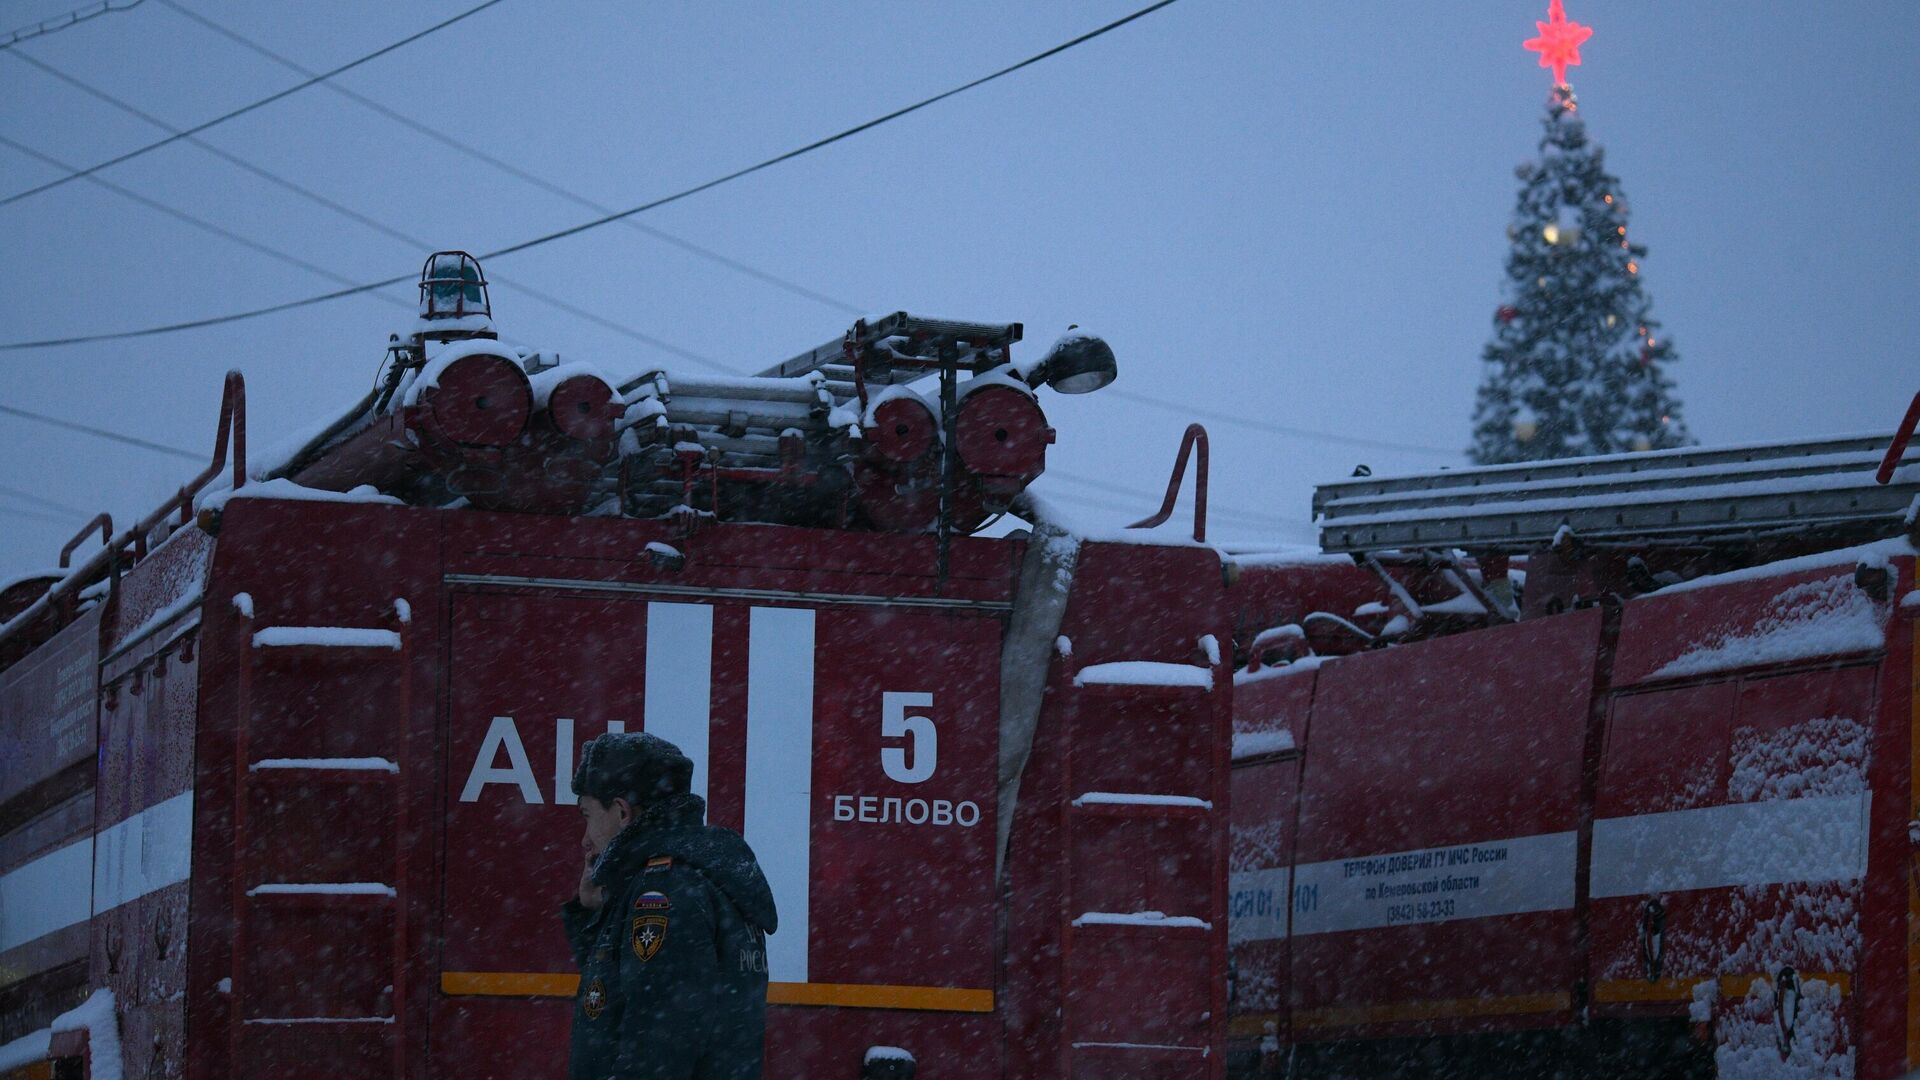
36	515
1278	429
555	189
44	503
320	200
1140	510
547	298
102	433
196	222
515	171
244	109
61	22
573	230
1149	501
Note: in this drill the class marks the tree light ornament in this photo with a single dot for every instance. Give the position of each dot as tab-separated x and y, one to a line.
1559	42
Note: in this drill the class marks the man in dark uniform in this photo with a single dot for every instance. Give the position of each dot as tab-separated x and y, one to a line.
669	926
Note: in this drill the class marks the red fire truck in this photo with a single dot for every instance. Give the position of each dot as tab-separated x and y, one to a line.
1656	818
1598	762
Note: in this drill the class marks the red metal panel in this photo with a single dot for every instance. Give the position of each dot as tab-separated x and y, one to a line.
1264	802
1273	590
1746	623
929	887
1413	751
538	656
1680	765
533	660
1667	750
139	943
1274	699
1890	908
765	557
1032	996
313	564
47	706
155	588
1140	602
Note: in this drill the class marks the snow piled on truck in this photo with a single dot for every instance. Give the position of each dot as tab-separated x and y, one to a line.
1143	673
1750	1036
95	1016
1820	757
1828	617
1736	942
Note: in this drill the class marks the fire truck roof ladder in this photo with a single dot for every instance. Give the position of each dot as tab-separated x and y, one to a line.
1686	497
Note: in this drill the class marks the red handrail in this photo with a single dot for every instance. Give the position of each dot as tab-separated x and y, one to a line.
229	441
229	431
1899	448
102	521
1195	435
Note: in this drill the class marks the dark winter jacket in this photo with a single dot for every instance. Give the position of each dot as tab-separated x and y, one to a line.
673	968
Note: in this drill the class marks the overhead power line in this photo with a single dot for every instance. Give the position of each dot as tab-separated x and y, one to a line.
574	230
103	433
61	22
1214	515
44	503
197	222
1265	426
1272	428
719	258
244	109
1149	502
515	171
37	515
320	200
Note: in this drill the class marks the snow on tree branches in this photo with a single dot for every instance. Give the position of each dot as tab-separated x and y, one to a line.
1577	361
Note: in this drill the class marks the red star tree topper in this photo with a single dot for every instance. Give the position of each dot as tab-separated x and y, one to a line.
1559	42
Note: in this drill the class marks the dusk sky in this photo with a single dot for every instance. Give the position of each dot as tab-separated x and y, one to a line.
1287	218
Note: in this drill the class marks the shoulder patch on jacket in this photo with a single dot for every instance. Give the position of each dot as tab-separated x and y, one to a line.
648	930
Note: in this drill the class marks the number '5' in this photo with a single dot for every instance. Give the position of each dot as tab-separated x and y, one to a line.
896	724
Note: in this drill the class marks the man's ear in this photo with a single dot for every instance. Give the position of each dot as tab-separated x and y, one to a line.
623	809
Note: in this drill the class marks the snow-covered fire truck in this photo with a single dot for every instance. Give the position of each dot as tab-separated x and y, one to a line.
1603	762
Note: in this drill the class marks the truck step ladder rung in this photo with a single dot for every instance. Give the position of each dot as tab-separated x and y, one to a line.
278	1021
325	637
362	764
1124	804
324	888
1145	920
267	649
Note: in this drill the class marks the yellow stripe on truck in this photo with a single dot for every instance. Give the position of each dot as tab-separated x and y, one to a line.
1630	991
844	995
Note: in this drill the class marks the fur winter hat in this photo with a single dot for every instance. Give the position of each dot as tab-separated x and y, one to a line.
634	766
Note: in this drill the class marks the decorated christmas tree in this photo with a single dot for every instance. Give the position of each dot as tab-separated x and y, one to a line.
1577	364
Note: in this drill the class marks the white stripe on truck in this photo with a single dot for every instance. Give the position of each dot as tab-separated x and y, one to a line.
1711	847
1438	884
679	697
779	808
145	853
